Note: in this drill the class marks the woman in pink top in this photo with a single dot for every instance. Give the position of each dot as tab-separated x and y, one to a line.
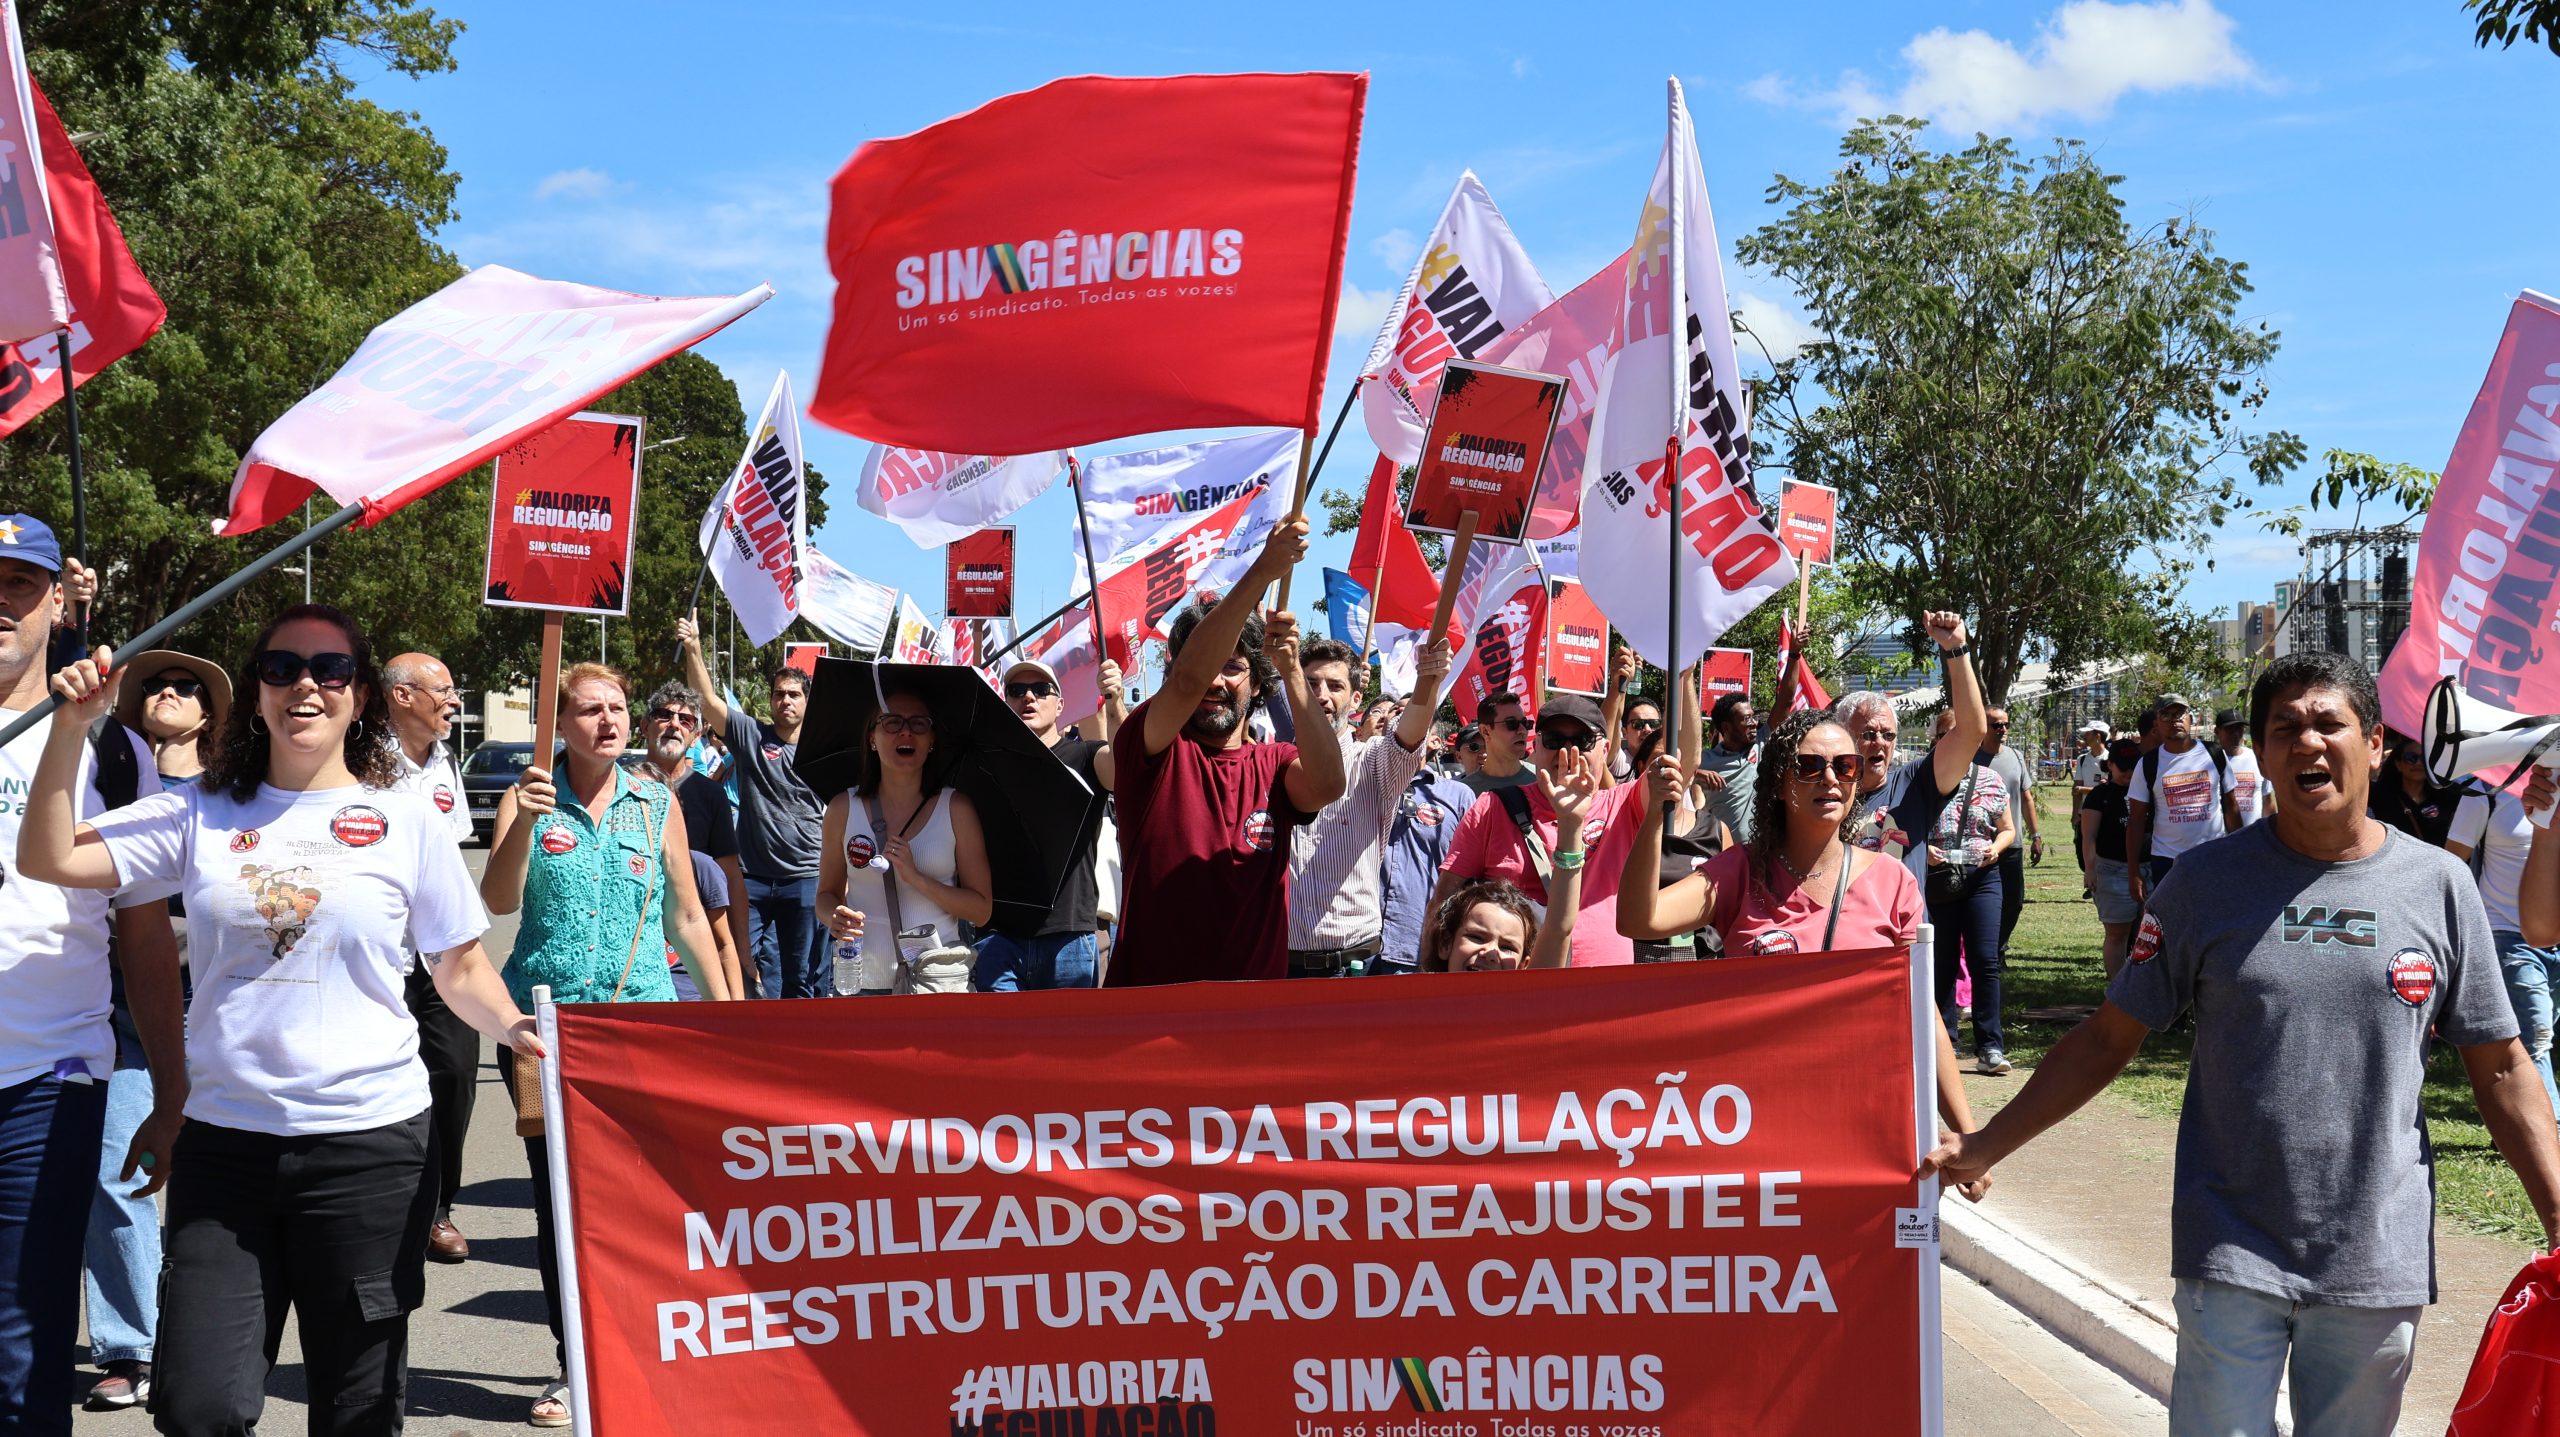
1798	886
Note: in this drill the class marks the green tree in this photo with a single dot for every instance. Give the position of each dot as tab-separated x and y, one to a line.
2033	412
2504	22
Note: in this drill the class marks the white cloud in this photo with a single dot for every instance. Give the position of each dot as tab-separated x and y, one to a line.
578	184
1776	325
1395	249
1361	311
1522	69
2088	56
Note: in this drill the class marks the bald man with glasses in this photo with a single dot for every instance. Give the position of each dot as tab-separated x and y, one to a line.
423	700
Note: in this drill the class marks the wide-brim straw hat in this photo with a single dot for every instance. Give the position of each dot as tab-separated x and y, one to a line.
217	686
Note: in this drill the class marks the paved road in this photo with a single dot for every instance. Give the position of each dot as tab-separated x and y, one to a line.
479	1351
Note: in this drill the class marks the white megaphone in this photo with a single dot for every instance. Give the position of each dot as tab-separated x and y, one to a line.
2463	735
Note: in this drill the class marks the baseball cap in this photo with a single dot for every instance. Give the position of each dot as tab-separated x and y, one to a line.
2171	701
29	540
1570	706
1018	665
2229	718
2095	727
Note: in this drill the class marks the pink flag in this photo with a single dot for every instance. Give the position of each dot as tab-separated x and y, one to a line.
2487	590
32	298
441	386
1569	337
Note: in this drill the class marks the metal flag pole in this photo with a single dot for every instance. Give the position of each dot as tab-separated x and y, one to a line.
79	477
1679	402
1023	634
1093	571
152	637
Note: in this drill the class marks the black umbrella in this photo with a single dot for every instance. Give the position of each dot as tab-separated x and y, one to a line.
1034	809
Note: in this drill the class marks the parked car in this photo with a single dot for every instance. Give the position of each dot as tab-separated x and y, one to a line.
488	771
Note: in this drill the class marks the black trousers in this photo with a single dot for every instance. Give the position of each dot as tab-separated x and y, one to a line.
2013	890
546	1232
330	1227
450	1048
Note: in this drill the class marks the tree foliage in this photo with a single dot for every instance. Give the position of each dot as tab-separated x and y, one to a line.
281	217
2504	22
2034	413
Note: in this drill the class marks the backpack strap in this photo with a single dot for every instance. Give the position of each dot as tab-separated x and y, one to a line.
1515	801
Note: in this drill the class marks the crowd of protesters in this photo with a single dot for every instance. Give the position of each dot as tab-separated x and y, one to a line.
248	962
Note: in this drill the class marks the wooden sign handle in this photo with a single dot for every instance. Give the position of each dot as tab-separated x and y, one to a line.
1451	573
546	694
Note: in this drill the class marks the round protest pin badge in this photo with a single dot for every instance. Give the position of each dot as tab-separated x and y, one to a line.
444	799
639	866
2146	940
1776	940
859	850
559	840
1258	831
1426	815
773	753
2413	977
358	826
245	840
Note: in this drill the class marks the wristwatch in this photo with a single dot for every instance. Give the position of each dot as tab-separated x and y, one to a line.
1959	651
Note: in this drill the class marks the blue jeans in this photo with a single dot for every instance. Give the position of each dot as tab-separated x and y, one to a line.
48	1173
1052	960
2349	1364
782	928
124	1230
2528	974
1969	928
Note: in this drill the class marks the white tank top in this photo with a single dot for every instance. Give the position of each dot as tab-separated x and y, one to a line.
867	872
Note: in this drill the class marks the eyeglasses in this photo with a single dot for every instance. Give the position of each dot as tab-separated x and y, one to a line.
1035	689
185	688
1646	724
1515	725
435	691
2001	727
1876	735
1579	743
283	668
678	717
904	723
1843	766
1235	668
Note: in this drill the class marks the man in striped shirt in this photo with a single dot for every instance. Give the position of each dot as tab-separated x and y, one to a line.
1334	903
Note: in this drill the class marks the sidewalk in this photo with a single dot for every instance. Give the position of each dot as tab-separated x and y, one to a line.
2094	1193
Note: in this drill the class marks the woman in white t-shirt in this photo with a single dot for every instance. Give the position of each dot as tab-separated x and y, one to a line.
893	828
309	877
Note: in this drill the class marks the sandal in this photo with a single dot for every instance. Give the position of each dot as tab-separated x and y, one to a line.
551	1409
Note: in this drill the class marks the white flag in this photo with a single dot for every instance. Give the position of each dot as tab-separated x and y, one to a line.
1131	498
32	300
844	606
758	529
1471	282
916	640
937	498
1728	558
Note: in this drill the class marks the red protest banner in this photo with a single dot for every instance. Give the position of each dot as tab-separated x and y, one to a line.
1112	256
1728	671
977	575
1246	1207
113	308
563	515
1808	520
1484	448
803	657
2488	580
1577	641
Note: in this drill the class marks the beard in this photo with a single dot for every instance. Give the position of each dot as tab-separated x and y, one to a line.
1214	723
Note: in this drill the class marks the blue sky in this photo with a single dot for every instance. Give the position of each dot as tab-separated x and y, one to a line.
2386	181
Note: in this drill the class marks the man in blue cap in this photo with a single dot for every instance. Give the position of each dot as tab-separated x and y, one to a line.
57	1046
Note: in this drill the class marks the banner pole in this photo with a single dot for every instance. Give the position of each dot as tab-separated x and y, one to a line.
1455	570
1924	1103
1093	571
151	638
1804	589
555	1143
1369	632
692	602
546	692
1036	625
1307	473
79	478
1680	317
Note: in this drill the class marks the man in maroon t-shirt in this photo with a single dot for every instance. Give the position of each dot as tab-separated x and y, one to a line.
1204	814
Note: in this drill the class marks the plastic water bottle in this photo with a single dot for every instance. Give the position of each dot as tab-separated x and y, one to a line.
848	954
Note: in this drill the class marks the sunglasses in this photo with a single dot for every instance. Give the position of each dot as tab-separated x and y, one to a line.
1843	766
1035	689
185	688
904	723
1515	725
1644	723
1558	743
678	717
2000	728
283	668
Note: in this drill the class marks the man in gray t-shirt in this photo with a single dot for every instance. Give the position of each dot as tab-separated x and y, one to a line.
2316	951
779	821
1730	769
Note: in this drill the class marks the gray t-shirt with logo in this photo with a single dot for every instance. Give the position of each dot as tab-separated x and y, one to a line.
779	816
2304	1168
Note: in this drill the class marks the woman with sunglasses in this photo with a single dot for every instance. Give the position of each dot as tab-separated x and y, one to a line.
178	706
2407	799
893	829
1799	885
605	880
299	1180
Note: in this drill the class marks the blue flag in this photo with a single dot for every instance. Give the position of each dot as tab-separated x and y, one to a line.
1347	604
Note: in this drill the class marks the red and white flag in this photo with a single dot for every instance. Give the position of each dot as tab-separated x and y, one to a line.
969	642
756	533
1471	282
441	386
1210	554
1093	259
1658	397
1797	686
33	299
1131	498
1506	646
937	498
1569	337
1386	560
1066	646
113	308
915	640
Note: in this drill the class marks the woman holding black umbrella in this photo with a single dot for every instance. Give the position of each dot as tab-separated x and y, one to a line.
903	862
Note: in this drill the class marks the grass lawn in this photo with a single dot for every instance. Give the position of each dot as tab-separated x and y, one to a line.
2053	978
